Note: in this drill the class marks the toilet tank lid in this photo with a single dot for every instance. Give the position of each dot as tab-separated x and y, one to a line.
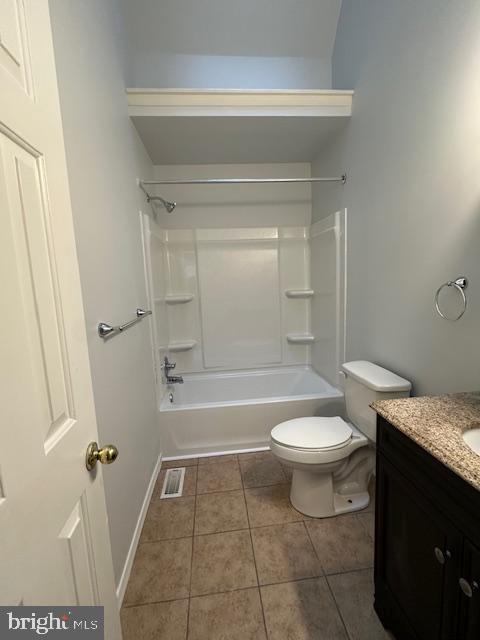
375	377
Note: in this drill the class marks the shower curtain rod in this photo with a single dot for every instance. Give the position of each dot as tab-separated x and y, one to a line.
342	179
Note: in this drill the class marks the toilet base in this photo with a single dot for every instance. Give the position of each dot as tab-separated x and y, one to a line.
314	495
352	502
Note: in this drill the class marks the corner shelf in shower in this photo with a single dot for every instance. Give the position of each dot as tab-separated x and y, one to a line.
178	298
184	345
300	338
299	293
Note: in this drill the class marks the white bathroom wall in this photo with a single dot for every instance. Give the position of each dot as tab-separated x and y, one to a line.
226	206
412	153
248	44
105	157
328	262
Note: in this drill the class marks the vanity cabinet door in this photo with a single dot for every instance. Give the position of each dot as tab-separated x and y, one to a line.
469	585
415	556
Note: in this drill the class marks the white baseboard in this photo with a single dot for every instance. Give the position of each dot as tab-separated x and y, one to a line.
212	454
127	568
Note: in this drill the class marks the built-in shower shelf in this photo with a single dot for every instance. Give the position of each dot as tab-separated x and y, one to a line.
299	293
184	345
178	298
300	338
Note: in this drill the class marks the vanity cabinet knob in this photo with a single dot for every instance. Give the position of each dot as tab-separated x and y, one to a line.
468	588
440	556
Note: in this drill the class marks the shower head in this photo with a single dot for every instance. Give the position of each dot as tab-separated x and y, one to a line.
169	206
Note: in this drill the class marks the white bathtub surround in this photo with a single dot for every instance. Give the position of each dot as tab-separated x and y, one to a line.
251	297
236	410
328	243
229	284
238	272
155	254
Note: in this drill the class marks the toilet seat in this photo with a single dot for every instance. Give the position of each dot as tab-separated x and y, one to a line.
313	434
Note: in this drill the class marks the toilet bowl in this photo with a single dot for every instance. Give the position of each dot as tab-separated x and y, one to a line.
333	459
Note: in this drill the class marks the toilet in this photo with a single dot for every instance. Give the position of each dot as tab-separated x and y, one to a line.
333	459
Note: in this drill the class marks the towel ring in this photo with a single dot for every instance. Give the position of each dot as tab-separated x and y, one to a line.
460	285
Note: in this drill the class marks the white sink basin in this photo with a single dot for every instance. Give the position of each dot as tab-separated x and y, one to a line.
472	439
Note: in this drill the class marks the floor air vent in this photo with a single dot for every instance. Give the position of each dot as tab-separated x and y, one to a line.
173	483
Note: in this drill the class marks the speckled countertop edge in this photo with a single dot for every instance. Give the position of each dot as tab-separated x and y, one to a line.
437	423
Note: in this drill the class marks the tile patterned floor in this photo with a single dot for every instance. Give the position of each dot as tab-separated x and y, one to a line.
233	560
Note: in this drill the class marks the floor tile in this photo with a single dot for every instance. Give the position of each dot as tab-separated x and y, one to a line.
303	610
160	621
216	512
222	562
227	616
169	518
368	521
342	544
354	595
270	505
288	471
260	470
223	476
189	483
230	457
161	571
284	553
184	462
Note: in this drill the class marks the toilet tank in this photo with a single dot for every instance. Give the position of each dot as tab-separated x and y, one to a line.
366	382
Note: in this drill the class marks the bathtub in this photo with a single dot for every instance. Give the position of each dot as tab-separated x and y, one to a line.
223	412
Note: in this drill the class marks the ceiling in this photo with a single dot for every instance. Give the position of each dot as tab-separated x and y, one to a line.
211	140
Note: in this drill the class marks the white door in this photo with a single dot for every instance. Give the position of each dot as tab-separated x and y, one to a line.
54	542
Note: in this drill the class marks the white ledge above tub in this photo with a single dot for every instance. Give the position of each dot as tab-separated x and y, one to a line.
239	102
299	293
184	345
300	338
226	126
178	298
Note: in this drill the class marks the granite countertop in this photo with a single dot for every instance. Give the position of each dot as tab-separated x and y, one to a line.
437	423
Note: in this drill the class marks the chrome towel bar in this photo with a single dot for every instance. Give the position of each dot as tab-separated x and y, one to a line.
108	331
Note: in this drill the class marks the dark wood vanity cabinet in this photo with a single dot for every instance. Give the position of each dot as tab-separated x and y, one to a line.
427	544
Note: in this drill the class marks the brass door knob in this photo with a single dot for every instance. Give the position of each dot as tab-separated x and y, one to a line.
105	455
